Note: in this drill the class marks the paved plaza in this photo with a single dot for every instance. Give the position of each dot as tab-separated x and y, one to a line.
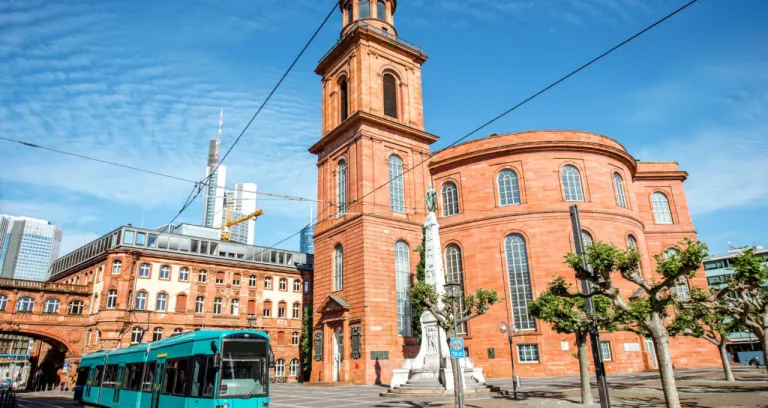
698	388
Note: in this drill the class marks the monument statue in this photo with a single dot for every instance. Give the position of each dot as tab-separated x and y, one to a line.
431	199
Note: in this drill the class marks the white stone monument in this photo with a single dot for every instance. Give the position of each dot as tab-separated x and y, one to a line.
433	360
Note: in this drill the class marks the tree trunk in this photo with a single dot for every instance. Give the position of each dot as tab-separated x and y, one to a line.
764	343
726	361
586	388
661	341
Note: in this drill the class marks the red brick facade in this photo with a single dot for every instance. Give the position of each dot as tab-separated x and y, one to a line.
366	229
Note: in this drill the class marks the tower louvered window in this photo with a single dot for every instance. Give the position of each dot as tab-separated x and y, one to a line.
344	96
390	96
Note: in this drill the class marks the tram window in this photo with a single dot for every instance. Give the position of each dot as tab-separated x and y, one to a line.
210	378
181	377
82	376
170	374
97	376
149	377
132	377
198	363
110	375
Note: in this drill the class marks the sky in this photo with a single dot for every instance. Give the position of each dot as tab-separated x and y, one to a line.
142	82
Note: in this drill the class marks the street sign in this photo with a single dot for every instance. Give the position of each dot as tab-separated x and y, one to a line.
457	347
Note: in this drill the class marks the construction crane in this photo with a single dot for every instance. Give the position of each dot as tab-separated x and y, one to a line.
229	222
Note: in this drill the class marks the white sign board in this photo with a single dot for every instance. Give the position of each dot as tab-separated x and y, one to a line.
564	346
631	346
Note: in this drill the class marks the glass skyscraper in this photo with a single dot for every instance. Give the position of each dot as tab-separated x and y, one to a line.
28	246
306	240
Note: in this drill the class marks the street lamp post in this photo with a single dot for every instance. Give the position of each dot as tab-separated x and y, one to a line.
504	328
453	290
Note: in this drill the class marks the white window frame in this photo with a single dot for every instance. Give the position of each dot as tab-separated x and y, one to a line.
294	367
117	267
144	298
341	187
396	190
145	270
111	299
51	306
618	186
573	188
519	272
136	333
200	305
280	368
252	281
165	268
338	268
606	345
508	184
520	354
662	209
283	284
161	307
217	306
295	339
402	286
449	194
234	307
184	274
296	311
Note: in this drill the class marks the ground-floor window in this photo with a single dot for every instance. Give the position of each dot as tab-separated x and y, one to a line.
528	353
605	350
294	367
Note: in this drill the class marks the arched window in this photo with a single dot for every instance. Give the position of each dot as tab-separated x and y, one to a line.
338	268
509	189
341	187
403	284
51	306
184	274
283	284
252	281
3	302
295	339
267	308
344	100
295	367
450	199
268	282
141	300
350	15
586	239
381	10
136	335
364	8
144	270
157	334
165	272
572	184
396	192
631	242
112	299
76	307
618	186
202	276
390	95
661	212
25	305
280	368
178	330
200	305
281	310
455	274
296	311
296	285
116	267
160	304
519	281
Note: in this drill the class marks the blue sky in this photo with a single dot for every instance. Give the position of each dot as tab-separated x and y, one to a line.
142	83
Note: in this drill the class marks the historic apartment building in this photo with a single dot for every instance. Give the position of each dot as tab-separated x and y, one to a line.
503	215
148	285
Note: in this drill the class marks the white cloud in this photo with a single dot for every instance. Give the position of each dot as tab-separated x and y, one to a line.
72	240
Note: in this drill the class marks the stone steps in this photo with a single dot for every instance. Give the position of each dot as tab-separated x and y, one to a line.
424	387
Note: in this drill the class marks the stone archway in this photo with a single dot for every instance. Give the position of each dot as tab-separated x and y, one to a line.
55	356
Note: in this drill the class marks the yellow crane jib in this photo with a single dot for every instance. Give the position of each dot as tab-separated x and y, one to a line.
229	222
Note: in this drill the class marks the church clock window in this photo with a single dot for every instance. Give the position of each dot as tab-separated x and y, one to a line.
390	96
381	10
344	100
364	8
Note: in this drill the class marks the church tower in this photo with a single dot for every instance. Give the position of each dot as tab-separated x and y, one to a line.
372	132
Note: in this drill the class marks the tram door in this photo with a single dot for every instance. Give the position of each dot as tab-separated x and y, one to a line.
91	372
118	383
157	387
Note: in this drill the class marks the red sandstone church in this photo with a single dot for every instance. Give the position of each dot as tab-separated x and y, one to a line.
503	212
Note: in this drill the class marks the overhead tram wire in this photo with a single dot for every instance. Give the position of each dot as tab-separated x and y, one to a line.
313	222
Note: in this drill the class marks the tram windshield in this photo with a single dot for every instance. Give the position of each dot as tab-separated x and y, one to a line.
244	368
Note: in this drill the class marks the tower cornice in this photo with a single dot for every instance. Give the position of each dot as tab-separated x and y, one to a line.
359	117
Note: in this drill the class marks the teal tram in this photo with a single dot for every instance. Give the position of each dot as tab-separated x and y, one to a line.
200	369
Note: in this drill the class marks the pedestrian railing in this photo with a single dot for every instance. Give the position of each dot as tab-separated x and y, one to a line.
8	399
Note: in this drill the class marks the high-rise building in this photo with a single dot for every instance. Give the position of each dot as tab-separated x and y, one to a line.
28	246
306	239
216	174
243	202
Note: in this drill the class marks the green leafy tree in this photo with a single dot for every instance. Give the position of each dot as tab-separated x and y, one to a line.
568	315
698	317
473	305
746	296
648	313
418	309
306	342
